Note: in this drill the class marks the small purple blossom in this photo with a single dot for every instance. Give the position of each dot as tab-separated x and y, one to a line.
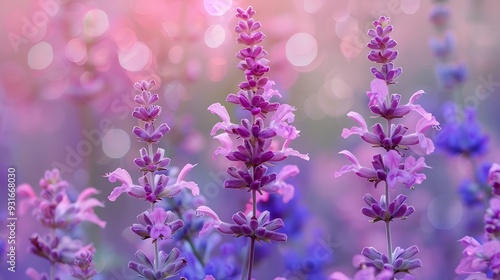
387	168
478	257
492	219
169	265
403	260
83	268
260	181
381	46
379	211
148	191
53	207
159	224
56	249
261	228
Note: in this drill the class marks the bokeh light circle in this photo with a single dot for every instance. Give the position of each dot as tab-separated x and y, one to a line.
95	23
215	36
40	56
410	7
301	49
116	143
217	7
76	51
445	211
136	57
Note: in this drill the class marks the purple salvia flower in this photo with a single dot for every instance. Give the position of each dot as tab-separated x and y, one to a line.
380	212
381	46
392	167
478	257
492	219
387	168
145	190
403	260
83	267
147	164
253	142
56	249
159	224
169	265
54	209
260	228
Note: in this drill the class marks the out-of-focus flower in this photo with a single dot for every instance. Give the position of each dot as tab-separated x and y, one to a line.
402	259
55	249
83	268
54	209
477	258
492	219
168	266
494	178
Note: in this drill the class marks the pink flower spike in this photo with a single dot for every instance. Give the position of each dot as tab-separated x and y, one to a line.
209	277
123	176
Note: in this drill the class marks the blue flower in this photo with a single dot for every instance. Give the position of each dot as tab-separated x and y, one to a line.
462	136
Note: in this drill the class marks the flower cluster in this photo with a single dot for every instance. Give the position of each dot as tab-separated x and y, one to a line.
258	139
156	224
56	212
449	72
482	260
391	167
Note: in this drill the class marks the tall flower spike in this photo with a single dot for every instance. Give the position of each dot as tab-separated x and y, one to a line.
392	166
381	52
254	143
158	223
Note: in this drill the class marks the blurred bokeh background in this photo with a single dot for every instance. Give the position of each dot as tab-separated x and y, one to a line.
66	73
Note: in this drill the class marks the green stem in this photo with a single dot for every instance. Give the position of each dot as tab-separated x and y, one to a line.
53	264
252	241
387	226
193	249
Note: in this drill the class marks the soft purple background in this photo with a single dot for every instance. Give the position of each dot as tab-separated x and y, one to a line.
70	80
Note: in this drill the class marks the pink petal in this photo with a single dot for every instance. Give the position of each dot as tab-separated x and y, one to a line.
221	111
227	145
338	276
287	171
380	87
195	190
362	129
206	211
